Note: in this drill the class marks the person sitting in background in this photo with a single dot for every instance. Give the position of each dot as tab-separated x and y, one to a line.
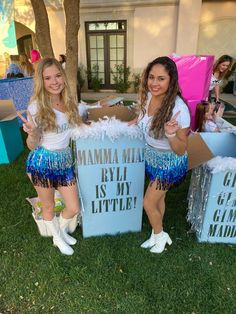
221	67
13	71
206	117
62	60
26	66
35	57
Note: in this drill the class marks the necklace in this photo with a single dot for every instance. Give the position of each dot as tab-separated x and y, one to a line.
60	107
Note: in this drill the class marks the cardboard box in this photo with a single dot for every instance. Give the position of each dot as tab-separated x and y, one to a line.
204	146
122	113
212	196
111	185
110	101
11	144
110	174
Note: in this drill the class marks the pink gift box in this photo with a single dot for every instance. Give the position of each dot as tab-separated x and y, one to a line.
194	75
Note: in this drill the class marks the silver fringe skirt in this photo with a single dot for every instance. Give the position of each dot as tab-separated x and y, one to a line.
49	168
165	168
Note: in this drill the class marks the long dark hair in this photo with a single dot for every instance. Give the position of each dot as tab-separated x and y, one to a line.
165	112
200	115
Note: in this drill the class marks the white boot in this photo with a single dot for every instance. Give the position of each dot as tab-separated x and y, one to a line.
64	224
149	242
160	242
58	241
73	223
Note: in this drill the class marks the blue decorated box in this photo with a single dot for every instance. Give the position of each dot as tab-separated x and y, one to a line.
110	170
212	204
11	144
18	89
212	191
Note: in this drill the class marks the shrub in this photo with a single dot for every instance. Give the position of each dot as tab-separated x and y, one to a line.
121	78
81	75
136	81
93	77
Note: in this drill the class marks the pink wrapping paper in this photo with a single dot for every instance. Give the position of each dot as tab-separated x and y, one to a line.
194	75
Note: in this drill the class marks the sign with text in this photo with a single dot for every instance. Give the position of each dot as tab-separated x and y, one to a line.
111	184
219	224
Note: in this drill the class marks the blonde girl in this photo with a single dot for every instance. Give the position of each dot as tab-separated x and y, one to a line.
51	115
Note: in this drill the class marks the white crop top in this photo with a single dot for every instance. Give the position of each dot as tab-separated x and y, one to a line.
58	139
183	120
210	126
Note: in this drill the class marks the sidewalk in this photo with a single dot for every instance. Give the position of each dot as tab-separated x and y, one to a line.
229	98
97	96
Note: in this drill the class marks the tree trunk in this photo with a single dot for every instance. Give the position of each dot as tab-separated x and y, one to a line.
42	29
71	8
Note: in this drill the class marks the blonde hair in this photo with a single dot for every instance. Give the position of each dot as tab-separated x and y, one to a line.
45	117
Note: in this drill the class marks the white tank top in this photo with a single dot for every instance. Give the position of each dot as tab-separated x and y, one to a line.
58	139
183	120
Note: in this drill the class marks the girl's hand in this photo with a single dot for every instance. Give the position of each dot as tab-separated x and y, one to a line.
172	126
220	111
28	124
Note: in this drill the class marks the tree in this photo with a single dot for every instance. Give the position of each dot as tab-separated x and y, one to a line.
43	37
71	8
42	29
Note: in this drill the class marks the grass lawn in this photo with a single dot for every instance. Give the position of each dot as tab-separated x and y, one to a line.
109	274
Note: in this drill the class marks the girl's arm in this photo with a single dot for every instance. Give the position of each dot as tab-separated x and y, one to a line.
217	92
177	137
31	129
33	140
178	142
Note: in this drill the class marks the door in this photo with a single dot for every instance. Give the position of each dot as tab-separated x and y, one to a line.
106	48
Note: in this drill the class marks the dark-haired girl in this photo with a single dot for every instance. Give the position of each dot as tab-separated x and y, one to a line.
164	118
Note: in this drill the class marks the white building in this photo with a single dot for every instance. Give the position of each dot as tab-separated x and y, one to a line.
136	31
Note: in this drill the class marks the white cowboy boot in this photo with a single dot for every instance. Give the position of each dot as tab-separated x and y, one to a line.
149	242
73	223
160	242
64	224
58	241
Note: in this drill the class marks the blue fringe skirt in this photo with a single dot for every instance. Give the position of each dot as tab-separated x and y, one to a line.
165	167
49	168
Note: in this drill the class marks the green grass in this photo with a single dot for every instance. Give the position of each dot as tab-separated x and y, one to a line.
109	274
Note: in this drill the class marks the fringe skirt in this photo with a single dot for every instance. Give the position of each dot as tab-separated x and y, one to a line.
165	167
49	168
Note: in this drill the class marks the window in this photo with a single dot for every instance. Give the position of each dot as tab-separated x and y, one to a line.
106	48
